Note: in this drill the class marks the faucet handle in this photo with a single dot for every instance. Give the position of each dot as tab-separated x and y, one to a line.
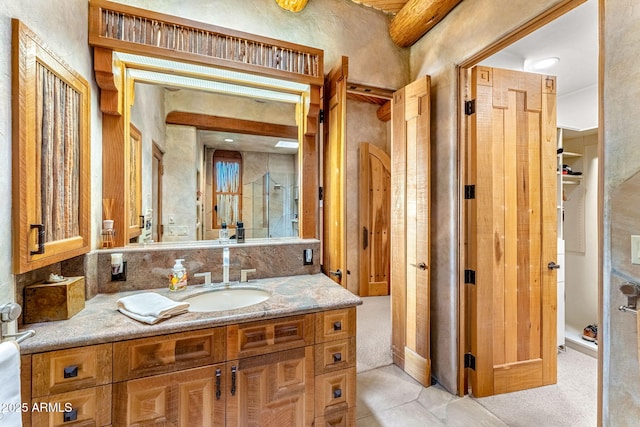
243	274
206	275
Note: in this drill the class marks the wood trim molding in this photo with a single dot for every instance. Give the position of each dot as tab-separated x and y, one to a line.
129	29
226	124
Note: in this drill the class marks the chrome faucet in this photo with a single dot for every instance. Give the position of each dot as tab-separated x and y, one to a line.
207	278
225	266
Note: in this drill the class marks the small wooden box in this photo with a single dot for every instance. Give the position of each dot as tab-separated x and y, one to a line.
45	302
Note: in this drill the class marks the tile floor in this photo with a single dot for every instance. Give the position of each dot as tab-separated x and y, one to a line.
389	397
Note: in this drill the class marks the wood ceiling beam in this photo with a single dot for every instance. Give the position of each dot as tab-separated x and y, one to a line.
416	18
226	124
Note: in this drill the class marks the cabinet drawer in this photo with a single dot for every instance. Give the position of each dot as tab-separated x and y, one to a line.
255	338
168	353
87	407
343	418
335	391
335	325
335	355
73	369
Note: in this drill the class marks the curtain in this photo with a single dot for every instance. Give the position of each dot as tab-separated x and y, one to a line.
58	155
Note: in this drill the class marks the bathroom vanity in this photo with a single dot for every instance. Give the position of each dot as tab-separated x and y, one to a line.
287	361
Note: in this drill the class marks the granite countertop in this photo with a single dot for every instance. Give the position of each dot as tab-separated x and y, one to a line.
101	322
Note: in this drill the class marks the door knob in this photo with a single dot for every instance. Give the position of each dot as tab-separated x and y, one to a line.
421	266
553	266
338	274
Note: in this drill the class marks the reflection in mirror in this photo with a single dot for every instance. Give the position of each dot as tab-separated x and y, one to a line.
222	162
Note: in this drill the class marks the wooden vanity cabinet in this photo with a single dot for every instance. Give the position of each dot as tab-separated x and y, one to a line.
290	371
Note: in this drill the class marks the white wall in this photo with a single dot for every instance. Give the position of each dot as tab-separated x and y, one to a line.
62	25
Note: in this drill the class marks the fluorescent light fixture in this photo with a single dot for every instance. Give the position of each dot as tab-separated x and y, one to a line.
287	144
228	140
540	64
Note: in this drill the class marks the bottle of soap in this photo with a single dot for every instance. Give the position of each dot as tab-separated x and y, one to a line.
240	232
178	277
224	233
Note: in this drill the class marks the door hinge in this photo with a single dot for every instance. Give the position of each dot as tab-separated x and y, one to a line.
470	361
469	107
470	277
320	193
469	192
321	116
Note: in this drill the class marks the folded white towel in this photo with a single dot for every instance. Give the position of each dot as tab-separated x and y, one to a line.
149	307
10	412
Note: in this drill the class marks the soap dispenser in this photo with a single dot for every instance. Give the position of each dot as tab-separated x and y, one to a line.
224	233
240	232
178	277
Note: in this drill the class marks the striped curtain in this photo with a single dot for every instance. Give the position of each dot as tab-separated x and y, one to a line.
227	189
58	154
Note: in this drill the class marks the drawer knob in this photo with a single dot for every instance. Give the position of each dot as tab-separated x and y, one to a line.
70	371
337	326
337	393
71	415
337	357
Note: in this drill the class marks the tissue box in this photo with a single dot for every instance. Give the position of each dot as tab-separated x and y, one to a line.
45	302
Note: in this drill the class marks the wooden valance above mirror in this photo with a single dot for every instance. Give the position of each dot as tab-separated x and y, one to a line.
114	27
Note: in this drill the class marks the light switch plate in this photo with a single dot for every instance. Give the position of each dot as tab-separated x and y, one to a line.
635	249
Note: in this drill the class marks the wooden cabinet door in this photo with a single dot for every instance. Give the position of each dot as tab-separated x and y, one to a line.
51	156
272	390
334	240
511	230
193	397
410	240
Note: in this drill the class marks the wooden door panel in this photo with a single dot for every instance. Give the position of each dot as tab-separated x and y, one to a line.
512	163
410	257
374	182
334	262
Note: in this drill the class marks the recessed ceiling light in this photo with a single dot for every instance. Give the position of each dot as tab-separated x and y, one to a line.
287	144
540	64
228	140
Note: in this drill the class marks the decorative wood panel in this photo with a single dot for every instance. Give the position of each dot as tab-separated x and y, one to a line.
276	389
343	418
185	398
335	355
251	339
118	27
86	407
66	370
335	325
335	391
168	353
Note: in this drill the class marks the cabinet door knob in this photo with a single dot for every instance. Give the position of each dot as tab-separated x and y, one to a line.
70	371
337	326
233	380
218	391
337	357
69	416
337	393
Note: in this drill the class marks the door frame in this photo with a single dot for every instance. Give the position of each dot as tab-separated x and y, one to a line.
463	70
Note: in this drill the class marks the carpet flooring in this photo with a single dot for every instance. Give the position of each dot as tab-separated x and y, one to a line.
373	333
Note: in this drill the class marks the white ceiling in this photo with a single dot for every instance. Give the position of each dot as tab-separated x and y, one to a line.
573	38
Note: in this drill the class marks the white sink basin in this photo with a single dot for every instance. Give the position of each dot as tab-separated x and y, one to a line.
226	299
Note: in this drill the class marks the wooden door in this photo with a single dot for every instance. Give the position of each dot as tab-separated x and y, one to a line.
375	193
334	254
273	390
511	231
410	240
